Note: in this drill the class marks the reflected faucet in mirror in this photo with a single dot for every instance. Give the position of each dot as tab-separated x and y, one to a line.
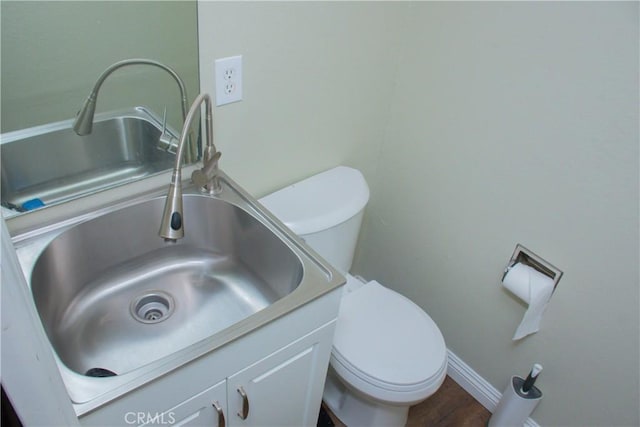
172	227
83	124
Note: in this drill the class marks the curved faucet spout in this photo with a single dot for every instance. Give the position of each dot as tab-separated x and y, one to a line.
83	124
172	227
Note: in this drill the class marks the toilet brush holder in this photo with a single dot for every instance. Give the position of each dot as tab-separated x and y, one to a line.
515	406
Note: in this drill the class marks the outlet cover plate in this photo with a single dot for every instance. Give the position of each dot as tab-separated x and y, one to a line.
228	73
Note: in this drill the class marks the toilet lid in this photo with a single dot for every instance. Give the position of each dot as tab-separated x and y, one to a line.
386	340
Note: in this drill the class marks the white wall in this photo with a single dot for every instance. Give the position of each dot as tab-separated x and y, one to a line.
478	126
317	85
518	123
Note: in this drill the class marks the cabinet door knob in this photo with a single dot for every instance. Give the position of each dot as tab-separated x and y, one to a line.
221	422
245	404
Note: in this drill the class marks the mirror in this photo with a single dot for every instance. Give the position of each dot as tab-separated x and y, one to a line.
54	51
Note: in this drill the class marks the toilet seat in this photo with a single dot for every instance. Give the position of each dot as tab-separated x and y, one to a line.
387	347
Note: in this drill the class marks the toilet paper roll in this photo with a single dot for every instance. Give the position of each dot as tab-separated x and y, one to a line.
535	289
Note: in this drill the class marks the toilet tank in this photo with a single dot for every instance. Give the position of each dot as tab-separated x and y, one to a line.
326	211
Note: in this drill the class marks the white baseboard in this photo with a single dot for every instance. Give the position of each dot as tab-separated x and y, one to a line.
475	385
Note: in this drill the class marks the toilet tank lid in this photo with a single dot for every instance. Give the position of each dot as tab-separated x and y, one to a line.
321	201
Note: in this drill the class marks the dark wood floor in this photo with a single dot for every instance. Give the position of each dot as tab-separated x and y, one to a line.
451	406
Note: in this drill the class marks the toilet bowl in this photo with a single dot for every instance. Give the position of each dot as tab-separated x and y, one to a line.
387	354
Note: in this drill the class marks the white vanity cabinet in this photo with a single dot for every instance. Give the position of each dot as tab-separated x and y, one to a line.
204	409
279	389
274	376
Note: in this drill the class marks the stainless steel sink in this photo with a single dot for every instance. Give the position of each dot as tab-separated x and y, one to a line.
117	300
113	295
123	147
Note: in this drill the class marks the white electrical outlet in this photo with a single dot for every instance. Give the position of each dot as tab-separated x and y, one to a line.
228	80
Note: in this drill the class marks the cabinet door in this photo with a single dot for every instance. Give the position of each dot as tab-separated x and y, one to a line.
204	409
283	389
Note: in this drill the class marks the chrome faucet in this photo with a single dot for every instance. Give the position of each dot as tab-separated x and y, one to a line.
83	124
172	227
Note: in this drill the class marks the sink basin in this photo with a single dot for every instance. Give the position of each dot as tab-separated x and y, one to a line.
121	306
123	147
113	296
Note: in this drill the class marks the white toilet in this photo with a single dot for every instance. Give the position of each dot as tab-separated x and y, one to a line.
387	352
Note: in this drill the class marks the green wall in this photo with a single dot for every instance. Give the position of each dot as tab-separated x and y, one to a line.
53	51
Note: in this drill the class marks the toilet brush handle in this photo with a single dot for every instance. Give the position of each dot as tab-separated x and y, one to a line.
531	378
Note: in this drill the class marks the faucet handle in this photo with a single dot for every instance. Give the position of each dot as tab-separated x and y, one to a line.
164	120
166	141
207	177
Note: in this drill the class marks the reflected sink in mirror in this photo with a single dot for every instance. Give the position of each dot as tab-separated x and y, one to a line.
113	296
50	164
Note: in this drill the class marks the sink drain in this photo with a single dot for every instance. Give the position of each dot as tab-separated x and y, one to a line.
152	307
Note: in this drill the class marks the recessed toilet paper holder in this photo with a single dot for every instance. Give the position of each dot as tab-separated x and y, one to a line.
527	257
